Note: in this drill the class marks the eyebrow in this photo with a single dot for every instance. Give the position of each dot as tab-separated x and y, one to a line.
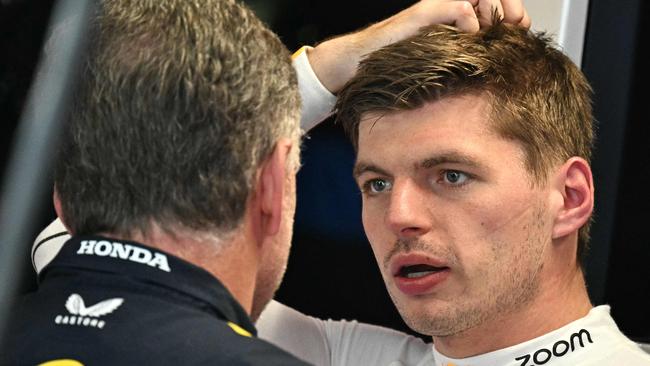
451	157
361	168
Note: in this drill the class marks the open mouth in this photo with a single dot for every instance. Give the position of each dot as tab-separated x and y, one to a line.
418	270
418	274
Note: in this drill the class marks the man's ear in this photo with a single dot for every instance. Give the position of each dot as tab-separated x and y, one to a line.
575	183
270	189
59	209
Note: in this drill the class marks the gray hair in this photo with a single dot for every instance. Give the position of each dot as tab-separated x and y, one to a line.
179	102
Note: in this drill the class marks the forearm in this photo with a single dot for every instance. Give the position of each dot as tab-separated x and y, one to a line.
335	60
317	101
340	343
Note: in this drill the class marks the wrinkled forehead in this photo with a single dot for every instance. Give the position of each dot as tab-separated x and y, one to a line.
455	129
463	114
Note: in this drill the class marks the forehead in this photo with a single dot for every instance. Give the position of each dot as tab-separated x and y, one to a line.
458	124
467	112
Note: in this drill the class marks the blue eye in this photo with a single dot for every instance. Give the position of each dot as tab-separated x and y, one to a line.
375	186
455	177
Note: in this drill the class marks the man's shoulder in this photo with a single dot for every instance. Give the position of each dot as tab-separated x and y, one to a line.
220	342
213	339
616	357
107	320
600	343
244	350
625	352
111	330
614	347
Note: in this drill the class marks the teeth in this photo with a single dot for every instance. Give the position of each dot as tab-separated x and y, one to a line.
418	274
418	270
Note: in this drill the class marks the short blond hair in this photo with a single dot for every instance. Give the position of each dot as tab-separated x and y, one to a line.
538	96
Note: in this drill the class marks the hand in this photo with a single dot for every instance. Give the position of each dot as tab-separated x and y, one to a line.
335	61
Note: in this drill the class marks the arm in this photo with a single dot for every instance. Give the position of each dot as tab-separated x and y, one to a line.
324	70
335	61
48	244
329	342
317	101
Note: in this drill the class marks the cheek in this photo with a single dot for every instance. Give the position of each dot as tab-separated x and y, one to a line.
377	235
494	215
371	218
495	239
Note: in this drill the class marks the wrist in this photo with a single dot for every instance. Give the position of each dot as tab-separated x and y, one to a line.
335	61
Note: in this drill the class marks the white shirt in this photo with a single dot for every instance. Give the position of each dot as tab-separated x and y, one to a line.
594	340
317	101
330	342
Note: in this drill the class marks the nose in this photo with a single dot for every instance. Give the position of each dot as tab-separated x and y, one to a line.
407	215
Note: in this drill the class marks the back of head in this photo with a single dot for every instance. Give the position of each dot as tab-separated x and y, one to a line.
179	102
538	97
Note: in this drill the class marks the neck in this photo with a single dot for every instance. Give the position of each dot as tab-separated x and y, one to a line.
561	300
231	260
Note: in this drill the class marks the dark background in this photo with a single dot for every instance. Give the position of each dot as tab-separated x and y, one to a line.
332	272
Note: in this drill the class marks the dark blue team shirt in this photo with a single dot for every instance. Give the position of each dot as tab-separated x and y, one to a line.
113	302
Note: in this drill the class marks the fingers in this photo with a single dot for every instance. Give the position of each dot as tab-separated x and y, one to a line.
511	11
461	14
473	2
464	16
525	21
486	8
514	12
470	15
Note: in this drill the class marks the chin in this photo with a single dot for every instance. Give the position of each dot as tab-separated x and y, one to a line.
433	317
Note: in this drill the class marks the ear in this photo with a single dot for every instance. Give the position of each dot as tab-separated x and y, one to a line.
59	209
270	189
575	183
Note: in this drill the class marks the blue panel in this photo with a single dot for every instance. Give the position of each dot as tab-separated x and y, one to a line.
329	202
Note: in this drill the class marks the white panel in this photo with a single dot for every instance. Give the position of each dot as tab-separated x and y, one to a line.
566	20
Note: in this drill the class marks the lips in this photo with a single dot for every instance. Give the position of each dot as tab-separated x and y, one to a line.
418	274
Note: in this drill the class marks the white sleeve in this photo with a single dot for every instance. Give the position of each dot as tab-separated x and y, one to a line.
317	101
48	244
296	333
339	343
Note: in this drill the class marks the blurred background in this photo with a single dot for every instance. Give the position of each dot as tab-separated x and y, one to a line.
332	272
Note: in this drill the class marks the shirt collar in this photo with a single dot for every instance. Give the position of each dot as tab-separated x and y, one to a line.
581	336
153	267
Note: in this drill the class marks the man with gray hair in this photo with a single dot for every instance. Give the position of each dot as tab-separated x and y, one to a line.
172	165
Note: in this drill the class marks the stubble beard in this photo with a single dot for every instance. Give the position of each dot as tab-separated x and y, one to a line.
508	289
268	283
272	272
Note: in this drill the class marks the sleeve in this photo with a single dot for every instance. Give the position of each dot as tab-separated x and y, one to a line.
339	343
317	101
48	244
296	333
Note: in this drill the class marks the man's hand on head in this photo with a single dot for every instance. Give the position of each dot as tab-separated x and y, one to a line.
335	61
